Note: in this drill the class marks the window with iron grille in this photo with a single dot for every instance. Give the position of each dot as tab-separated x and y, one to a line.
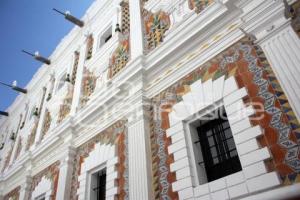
214	147
98	185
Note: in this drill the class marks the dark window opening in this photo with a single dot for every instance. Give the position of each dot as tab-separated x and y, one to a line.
220	157
100	185
107	38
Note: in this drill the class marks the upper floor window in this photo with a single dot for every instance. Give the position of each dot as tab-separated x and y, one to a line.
42	197
98	185
105	37
89	47
61	81
214	148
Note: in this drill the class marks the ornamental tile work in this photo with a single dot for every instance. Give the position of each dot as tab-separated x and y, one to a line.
247	63
65	107
19	148
155	25
125	18
88	86
115	134
7	159
89	47
51	173
296	17
46	124
75	67
199	5
121	55
13	195
31	136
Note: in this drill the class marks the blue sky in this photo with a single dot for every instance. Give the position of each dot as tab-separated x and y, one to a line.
30	25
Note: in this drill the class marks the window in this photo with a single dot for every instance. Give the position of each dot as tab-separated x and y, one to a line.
214	147
105	37
61	81
98	185
41	197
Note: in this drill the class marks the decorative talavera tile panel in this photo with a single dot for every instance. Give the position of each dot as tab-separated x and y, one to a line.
13	195
88	86
248	65
51	173
115	136
121	55
199	5
65	107
155	25
46	123
31	136
89	47
296	17
7	159
19	148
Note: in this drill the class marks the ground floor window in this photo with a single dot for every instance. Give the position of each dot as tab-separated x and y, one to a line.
216	148
98	185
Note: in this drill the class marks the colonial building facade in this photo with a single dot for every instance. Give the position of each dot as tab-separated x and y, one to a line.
162	99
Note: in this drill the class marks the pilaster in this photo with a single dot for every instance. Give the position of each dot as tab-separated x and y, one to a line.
136	29
65	174
281	46
25	188
139	154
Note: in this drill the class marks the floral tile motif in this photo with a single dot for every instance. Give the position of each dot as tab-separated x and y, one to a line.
247	63
121	55
155	25
13	195
88	86
75	67
19	148
51	173
65	107
46	124
199	5
7	159
89	47
115	134
31	136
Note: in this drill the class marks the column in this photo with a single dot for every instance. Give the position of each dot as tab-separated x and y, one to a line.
25	188
77	86
65	174
140	184
136	29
